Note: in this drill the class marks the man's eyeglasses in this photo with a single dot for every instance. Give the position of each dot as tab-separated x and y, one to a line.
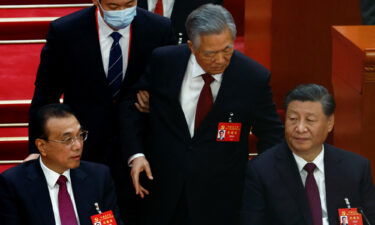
81	137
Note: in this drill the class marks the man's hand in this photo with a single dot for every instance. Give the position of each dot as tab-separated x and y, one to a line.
139	165
31	157
143	103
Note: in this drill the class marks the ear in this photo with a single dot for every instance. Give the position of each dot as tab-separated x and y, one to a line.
331	122
41	145
191	46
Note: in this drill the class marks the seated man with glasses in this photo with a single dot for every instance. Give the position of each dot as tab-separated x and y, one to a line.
57	188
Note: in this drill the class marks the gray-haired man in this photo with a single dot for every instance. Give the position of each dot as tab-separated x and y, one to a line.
197	90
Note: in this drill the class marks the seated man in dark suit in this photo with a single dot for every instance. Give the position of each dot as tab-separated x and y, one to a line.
57	188
92	57
303	180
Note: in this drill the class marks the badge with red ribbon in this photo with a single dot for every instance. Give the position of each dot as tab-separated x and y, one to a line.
228	132
105	218
350	217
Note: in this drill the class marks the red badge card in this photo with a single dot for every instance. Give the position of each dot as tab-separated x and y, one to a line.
229	132
350	217
106	218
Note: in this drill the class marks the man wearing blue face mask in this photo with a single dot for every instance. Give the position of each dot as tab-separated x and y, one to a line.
91	58
118	19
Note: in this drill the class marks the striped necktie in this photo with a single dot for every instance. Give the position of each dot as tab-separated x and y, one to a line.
115	69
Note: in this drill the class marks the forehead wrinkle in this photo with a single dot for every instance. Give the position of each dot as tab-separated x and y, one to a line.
302	113
70	132
225	48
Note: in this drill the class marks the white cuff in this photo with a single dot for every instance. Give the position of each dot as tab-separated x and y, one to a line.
131	158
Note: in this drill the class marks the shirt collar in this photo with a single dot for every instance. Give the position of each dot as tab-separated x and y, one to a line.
52	176
318	161
198	71
105	31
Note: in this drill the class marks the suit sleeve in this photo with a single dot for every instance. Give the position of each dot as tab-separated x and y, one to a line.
368	193
131	129
267	125
49	80
254	200
134	124
9	211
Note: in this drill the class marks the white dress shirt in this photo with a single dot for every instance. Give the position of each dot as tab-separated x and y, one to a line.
53	188
167	6
319	178
106	41
191	88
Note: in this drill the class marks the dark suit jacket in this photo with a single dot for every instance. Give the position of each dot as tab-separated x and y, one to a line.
208	173
180	12
24	195
71	65
274	193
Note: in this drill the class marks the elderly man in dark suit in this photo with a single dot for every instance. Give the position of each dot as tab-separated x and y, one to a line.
58	188
195	91
177	11
303	180
91	57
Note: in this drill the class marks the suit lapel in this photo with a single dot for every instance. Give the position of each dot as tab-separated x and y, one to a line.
333	182
176	5
90	47
287	167
82	195
174	85
37	186
135	46
178	72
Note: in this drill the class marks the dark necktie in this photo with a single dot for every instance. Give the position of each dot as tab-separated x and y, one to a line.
313	196
205	100
66	210
115	70
159	8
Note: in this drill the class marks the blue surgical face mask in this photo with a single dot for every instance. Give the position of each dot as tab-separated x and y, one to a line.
119	19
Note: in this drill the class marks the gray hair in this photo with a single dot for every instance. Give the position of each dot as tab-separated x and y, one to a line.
209	19
313	93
